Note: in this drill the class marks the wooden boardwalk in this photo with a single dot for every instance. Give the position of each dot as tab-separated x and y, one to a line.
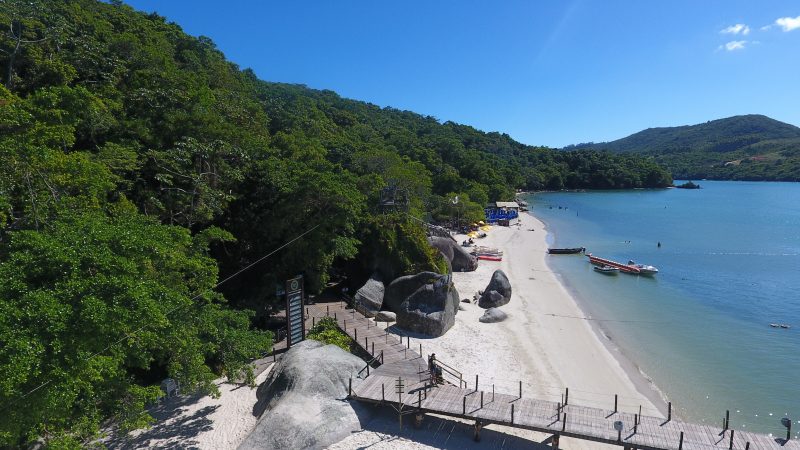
401	360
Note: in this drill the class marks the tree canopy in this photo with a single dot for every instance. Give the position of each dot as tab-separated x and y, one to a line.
140	167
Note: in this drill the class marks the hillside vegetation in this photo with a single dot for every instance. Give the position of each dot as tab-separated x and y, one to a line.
140	168
750	147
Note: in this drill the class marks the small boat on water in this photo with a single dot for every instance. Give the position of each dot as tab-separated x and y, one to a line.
644	269
631	267
780	325
606	270
566	251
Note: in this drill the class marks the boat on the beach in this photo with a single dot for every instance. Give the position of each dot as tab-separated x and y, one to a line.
606	270
644	269
566	251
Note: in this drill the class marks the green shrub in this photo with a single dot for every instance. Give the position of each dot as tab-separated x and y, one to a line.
328	332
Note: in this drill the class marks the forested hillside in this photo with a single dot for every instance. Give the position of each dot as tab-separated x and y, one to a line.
750	147
140	168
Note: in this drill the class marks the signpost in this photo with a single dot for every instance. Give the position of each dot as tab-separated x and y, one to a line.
295	314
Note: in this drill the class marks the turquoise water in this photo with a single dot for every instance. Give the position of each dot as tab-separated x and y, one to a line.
729	266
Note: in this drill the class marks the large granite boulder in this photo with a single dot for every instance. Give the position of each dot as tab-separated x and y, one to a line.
493	315
460	259
425	303
370	295
497	293
300	404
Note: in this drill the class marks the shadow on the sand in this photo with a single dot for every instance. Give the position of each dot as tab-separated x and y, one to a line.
438	432
165	433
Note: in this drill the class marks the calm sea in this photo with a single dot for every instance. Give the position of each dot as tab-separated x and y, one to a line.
729	266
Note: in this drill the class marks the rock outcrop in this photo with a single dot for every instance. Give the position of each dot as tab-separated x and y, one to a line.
460	259
300	404
370	295
386	316
425	303
493	315
497	293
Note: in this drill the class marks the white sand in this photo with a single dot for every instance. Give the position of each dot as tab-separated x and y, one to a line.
547	352
544	342
198	422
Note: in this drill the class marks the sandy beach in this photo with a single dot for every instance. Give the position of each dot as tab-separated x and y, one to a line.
546	343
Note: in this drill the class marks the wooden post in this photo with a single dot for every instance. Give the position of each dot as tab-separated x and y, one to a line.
680	443
366	343
367	369
512	413
408	341
373	348
727	418
327	310
334	316
345	325
615	402
558	409
420	349
306	310
564	423
566	397
635	423
387	334
350	387
355	332
383	392
493	392
669	411
476	382
520	388
481	399
640	411
730	446
747	446
464	412
381	356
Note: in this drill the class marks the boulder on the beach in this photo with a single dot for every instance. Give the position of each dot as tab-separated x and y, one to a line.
497	293
300	404
425	303
385	316
370	295
493	315
460	259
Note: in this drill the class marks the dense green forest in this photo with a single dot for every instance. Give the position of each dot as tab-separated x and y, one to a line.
142	171
750	147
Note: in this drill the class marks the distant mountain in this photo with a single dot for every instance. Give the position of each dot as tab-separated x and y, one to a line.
749	147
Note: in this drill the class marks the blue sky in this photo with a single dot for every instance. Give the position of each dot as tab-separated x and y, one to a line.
545	72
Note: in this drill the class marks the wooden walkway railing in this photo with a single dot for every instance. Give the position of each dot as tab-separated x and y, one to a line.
400	360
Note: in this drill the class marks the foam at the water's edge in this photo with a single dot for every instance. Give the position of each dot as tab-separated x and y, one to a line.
643	383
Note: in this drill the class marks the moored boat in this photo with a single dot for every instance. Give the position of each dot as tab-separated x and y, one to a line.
566	251
644	269
606	270
596	260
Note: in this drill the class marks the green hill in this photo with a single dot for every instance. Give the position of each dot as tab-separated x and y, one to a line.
749	147
140	168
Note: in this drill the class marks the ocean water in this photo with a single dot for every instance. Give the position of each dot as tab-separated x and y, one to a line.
729	266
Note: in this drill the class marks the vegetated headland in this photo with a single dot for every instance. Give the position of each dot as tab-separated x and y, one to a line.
153	195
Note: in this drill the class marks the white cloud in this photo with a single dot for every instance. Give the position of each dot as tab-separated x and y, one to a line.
736	29
733	45
788	23
766	27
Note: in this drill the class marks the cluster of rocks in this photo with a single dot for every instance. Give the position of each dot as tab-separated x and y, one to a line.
426	302
496	294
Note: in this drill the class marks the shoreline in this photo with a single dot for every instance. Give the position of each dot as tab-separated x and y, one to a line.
643	382
546	343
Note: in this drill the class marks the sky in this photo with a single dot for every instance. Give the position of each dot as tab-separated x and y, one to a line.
545	72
